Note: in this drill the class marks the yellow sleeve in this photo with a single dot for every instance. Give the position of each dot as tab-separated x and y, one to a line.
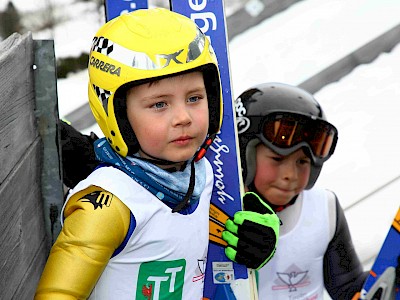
95	224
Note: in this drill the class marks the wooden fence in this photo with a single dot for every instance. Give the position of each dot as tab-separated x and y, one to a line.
31	193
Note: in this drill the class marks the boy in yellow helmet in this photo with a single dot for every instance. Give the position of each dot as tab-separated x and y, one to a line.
137	226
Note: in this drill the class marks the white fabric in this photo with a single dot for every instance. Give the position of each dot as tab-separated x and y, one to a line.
296	270
163	247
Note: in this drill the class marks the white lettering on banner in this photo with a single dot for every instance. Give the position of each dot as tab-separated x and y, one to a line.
132	6
218	173
206	17
198	5
209	20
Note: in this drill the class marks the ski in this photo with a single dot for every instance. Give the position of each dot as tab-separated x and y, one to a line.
115	8
381	282
224	279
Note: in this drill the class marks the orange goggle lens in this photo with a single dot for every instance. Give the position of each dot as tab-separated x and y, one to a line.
286	130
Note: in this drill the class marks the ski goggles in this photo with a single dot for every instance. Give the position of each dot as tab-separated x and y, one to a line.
291	131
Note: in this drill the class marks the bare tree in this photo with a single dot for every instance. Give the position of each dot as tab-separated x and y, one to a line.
9	21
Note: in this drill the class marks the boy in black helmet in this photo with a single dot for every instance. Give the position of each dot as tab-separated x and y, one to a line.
284	140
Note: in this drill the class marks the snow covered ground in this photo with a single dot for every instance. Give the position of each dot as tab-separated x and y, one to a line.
291	47
365	107
300	42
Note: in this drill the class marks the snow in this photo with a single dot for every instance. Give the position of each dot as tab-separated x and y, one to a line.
291	47
300	42
365	108
306	38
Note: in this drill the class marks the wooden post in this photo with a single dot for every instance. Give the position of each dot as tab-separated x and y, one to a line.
24	247
48	125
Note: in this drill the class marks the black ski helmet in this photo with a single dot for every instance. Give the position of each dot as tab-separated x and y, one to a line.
255	106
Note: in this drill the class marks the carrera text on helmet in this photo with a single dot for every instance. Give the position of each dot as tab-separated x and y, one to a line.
105	67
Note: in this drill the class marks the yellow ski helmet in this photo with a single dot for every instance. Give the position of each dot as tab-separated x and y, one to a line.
139	47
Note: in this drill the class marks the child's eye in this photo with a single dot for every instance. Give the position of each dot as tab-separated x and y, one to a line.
305	161
159	105
277	158
194	99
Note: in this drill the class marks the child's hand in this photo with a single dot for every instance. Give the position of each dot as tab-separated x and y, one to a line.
252	235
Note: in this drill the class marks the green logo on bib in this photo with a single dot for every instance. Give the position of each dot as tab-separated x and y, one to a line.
160	280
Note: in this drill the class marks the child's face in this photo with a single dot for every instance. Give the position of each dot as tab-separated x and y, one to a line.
279	178
170	116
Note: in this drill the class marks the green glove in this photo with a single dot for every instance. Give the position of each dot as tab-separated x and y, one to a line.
252	235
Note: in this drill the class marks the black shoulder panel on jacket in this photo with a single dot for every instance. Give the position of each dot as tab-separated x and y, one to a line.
343	272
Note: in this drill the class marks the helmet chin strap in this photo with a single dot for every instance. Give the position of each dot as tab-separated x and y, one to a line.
199	155
202	151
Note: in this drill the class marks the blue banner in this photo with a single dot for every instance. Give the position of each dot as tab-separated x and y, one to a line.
115	8
223	153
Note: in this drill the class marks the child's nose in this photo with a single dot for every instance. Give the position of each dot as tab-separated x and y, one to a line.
182	115
290	169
